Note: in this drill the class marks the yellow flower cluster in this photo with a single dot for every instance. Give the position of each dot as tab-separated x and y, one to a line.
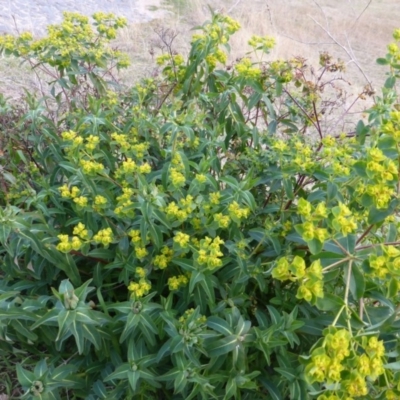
337	360
67	244
310	279
121	140
137	241
91	167
265	43
183	319
237	212
344	221
81	231
282	70
303	160
385	264
381	167
99	203
215	198
92	142
218	56
139	289
124	202
210	253
182	210
81	201
222	220
67	193
381	195
68	135
104	236
309	230
176	282
201	178
245	69
176	171
140	149
162	260
182	239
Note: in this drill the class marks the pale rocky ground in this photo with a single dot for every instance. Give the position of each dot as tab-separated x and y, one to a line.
35	15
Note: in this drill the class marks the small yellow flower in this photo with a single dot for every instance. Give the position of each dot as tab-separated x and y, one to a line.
215	198
182	239
141	252
81	231
82	201
104	236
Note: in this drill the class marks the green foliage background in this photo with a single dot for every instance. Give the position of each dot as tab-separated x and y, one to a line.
199	235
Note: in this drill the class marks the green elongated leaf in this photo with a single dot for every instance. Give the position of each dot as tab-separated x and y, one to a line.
133	378
5	231
103	254
289	373
392	233
120	373
61	261
394	366
187	265
177	344
348	242
222	346
68	166
200	299
219	325
288	186
82	317
208	288
63	371
132	323
329	302
180	382
100	390
20	328
25	377
160	216
169	376
242	327
156	236
357	281
248	198
275	315
65	319
164	350
276	244
195	278
40	368
146	320
91	333
390	82
230	181
47	319
273	391
315	246
393	288
258	234
377	215
77	332
382	61
124	307
231	389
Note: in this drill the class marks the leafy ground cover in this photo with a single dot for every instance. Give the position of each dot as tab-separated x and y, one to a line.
203	234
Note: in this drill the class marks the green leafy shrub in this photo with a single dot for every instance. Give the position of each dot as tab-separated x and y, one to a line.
200	235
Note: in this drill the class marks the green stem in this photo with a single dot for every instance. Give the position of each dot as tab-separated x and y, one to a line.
337	316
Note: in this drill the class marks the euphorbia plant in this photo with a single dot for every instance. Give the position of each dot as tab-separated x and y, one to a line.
230	247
